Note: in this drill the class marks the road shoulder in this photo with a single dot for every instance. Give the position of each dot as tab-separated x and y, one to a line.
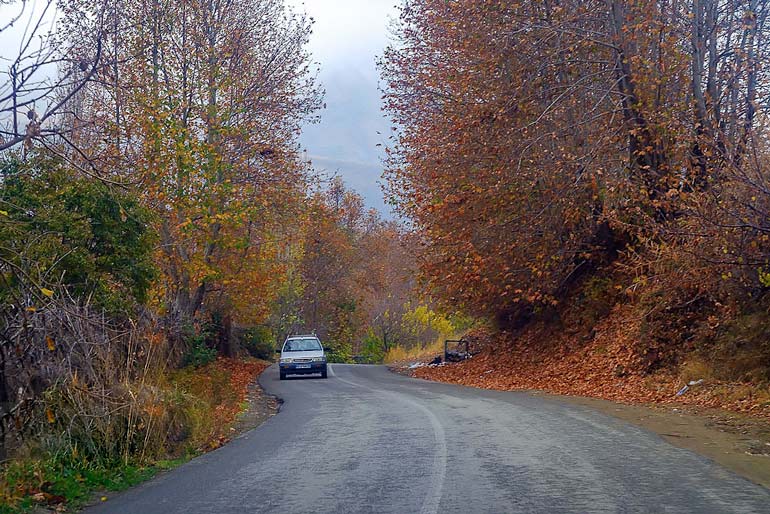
261	407
738	442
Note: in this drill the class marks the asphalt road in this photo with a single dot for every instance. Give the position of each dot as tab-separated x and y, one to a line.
366	440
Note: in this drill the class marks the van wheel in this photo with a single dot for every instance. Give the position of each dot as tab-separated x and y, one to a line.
283	375
323	373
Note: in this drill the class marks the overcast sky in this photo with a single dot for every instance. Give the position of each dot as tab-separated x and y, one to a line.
348	37
347	30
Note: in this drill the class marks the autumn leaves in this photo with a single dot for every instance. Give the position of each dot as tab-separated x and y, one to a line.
200	110
539	142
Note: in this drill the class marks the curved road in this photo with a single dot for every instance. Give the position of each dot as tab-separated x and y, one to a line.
366	440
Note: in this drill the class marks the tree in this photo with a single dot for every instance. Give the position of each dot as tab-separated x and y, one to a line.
536	141
356	272
64	230
202	113
46	73
330	304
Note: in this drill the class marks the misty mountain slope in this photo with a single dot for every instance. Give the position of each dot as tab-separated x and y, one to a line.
345	141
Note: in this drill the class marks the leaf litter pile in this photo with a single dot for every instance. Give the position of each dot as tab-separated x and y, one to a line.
608	366
242	375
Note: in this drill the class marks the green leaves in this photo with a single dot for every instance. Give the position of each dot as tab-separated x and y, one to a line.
66	226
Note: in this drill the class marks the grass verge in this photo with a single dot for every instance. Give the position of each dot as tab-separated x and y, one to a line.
64	479
65	485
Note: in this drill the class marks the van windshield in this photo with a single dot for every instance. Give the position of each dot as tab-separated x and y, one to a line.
302	345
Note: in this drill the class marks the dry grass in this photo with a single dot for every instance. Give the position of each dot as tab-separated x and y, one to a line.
176	414
695	369
417	353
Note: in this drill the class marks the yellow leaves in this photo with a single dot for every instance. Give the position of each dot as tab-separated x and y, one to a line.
50	416
4	213
46	292
50	343
764	277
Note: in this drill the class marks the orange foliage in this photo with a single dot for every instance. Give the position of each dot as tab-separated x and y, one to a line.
543	358
538	140
240	374
202	112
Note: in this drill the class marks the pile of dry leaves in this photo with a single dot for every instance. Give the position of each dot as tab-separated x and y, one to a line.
605	366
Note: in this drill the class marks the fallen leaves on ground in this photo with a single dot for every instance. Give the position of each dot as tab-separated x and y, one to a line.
543	358
242	372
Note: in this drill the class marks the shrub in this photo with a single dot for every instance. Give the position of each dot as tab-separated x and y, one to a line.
92	238
199	349
338	351
259	342
372	349
199	353
598	297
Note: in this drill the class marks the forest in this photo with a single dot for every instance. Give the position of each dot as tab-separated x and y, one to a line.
581	186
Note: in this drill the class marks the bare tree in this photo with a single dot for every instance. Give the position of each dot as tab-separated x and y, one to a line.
45	73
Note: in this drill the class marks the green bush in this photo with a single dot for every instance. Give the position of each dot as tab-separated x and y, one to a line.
259	342
372	349
339	348
58	225
199	353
